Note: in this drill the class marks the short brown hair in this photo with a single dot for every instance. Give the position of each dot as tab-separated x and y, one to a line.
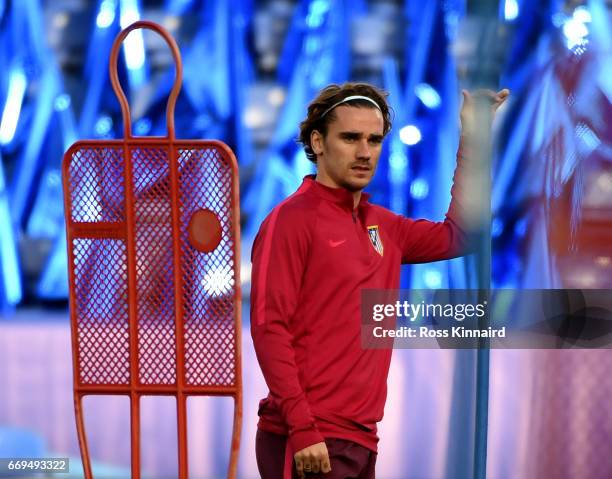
332	94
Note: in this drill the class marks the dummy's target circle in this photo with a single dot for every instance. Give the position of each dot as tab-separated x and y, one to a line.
204	230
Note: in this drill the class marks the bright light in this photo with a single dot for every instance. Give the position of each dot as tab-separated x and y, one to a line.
574	28
276	96
432	279
134	50
419	189
62	102
12	107
245	272
582	14
92	210
8	253
218	281
575	31
129	13
133	46
428	95
318	9
254	117
172	22
511	10
410	135
106	15
103	125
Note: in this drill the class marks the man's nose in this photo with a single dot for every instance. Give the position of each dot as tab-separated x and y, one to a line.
363	150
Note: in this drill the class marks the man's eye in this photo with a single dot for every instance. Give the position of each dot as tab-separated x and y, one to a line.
375	141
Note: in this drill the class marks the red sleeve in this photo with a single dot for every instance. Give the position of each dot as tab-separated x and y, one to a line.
279	257
423	241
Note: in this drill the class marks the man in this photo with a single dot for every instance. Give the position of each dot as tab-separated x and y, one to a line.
313	255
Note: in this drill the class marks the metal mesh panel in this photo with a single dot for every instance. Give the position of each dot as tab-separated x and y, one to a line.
96	185
101	310
205	182
154	266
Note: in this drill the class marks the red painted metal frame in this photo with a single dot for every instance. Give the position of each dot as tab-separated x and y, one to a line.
122	233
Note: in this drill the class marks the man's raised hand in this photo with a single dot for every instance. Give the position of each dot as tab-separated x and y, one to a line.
469	106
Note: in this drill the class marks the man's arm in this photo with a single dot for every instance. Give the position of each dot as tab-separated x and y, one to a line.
423	241
279	257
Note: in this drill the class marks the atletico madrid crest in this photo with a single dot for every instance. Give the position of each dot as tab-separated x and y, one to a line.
375	239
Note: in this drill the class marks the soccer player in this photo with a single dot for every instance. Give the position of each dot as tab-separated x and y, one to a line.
313	255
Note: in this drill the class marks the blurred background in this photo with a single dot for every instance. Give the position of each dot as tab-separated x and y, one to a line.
250	68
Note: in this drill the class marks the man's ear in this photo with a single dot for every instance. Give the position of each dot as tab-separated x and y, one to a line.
316	141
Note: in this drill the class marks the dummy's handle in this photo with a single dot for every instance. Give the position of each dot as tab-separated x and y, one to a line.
178	79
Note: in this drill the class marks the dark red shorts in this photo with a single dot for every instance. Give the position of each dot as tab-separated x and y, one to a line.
348	459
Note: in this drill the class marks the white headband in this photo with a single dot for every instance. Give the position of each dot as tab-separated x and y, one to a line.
349	98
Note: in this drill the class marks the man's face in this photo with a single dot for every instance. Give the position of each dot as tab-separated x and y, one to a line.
347	156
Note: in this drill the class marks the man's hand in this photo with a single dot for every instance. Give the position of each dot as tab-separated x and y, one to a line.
468	109
312	459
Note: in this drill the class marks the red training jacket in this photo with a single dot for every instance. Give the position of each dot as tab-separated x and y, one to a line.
311	258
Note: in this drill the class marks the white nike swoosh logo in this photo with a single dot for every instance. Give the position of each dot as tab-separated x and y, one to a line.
333	243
